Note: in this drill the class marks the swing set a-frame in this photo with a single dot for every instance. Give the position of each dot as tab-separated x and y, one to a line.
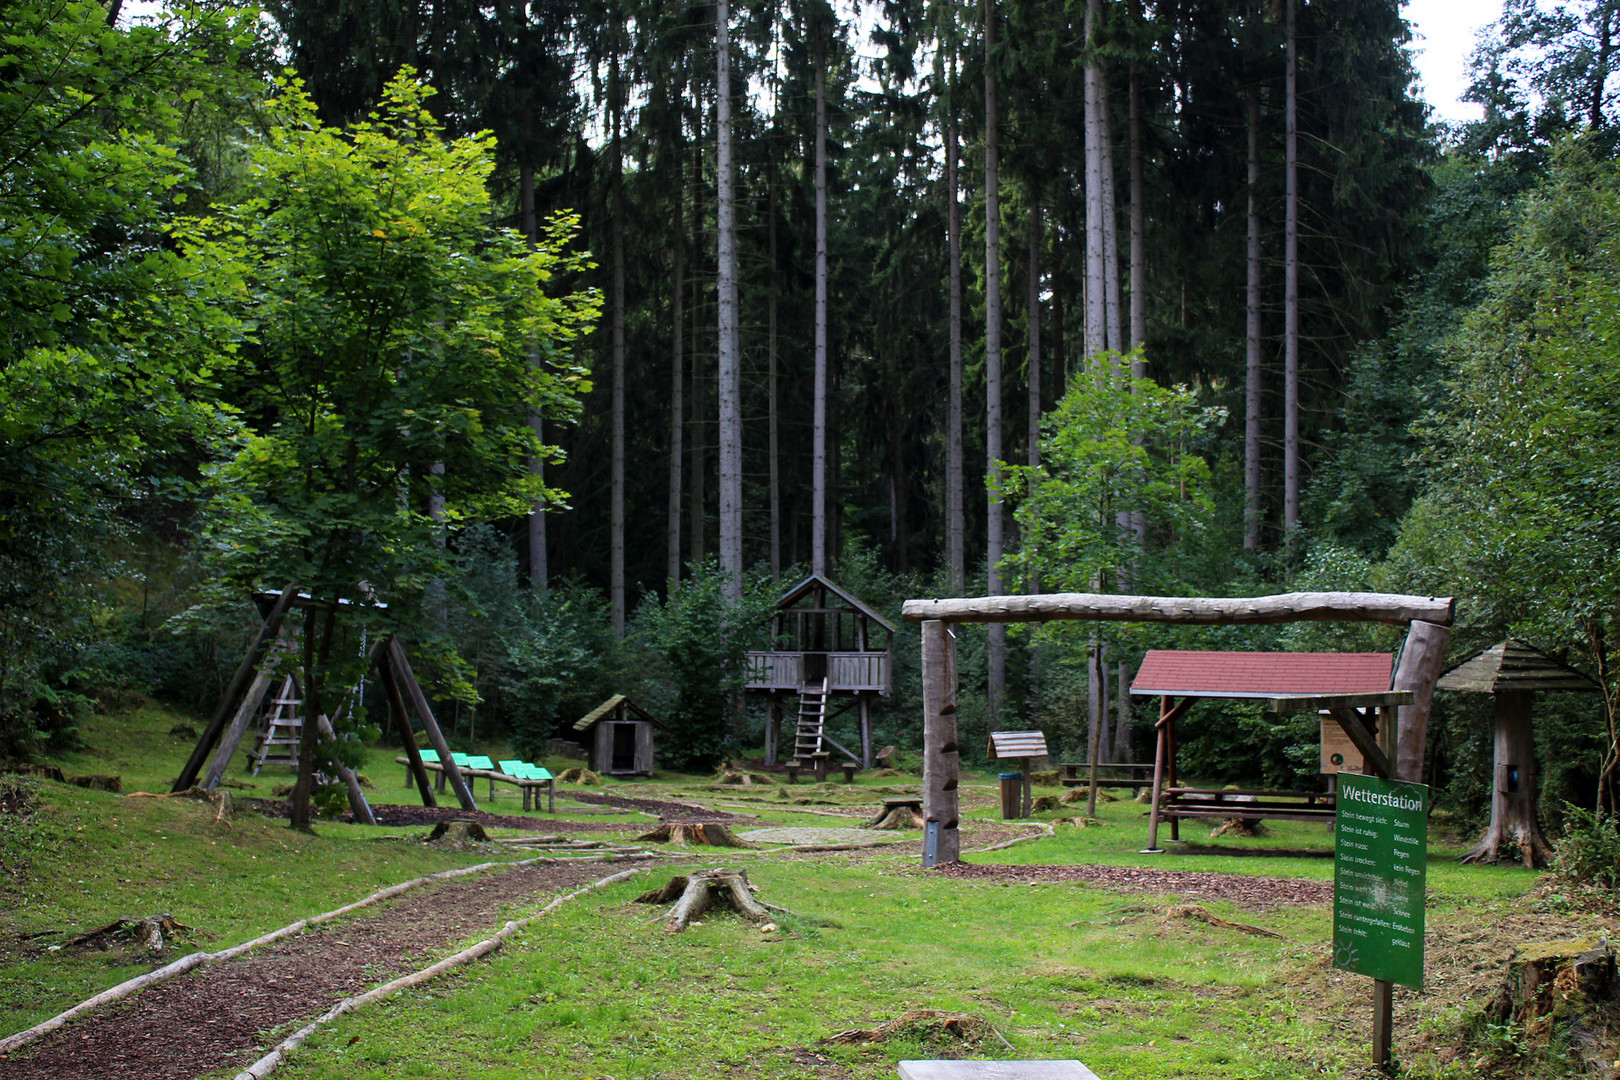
245	694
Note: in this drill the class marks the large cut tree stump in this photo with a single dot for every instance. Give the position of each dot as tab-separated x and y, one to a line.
1556	979
898	814
708	890
706	833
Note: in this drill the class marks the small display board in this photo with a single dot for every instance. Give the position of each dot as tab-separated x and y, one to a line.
1339	753
1017	744
1380	842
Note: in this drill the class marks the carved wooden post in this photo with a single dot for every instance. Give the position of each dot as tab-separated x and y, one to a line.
1422	657
942	766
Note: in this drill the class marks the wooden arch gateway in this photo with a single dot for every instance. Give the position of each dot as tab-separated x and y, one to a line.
1427	618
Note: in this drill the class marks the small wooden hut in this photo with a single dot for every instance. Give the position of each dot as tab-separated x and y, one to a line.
830	646
1512	671
618	738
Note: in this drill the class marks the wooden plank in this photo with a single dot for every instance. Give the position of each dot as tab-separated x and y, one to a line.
1195	611
995	1070
1291	703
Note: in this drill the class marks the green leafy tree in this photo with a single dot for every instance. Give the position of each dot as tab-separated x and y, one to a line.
385	382
1524	506
103	382
1114	443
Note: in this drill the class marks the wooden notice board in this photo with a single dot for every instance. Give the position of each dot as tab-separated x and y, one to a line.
1339	753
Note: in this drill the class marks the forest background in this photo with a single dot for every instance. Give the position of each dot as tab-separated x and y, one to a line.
935	298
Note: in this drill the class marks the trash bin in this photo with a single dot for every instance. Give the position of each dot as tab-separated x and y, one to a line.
1012	795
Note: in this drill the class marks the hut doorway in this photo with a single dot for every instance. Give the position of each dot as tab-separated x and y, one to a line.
624	748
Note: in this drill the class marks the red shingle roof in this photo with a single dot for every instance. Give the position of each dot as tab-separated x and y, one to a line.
1259	675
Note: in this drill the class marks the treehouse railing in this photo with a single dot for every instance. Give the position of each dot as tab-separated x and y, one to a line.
847	672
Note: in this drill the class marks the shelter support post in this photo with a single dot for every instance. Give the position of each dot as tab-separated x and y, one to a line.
866	730
942	765
1422	657
1170	711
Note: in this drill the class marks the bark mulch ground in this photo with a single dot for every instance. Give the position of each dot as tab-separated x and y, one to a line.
218	1015
1259	893
395	817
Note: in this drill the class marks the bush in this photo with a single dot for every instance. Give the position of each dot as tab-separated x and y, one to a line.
694	645
1589	851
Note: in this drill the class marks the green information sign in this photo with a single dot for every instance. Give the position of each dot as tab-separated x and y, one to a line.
1380	840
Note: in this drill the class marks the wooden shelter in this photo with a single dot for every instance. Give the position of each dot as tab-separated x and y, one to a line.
1404	712
1512	671
618	738
1343	684
830	646
254	677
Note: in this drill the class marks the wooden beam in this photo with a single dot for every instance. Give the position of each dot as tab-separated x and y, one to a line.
1422	657
228	703
1296	703
233	734
447	764
357	798
1196	611
1365	738
402	723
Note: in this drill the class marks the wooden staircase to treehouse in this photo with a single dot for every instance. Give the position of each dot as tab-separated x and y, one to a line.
811	733
277	741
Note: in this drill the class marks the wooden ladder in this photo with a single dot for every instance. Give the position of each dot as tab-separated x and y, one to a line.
812	721
277	742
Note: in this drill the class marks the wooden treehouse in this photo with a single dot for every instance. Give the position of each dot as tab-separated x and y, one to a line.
833	654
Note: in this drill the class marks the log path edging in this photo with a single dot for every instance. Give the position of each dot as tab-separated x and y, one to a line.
198	959
278	1054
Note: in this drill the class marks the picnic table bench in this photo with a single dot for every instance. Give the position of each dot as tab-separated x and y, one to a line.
527	778
1188	802
1078	774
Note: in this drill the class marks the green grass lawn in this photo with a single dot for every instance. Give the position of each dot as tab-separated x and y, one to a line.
599	990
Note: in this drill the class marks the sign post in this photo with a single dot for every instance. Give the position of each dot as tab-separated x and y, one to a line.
1380	844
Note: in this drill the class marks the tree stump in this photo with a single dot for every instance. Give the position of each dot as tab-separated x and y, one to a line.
885	758
582	777
709	890
898	814
1556	979
705	833
457	835
930	1027
148	931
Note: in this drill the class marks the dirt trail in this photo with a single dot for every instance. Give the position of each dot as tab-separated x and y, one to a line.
217	1015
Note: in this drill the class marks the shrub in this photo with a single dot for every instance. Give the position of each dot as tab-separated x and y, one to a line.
1589	851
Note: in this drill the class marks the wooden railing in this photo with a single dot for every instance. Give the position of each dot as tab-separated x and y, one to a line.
846	671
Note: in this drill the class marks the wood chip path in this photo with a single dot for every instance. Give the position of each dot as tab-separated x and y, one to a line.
218	1015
